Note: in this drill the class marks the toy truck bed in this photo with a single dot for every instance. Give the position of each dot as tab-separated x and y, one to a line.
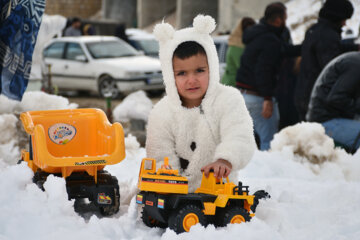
72	140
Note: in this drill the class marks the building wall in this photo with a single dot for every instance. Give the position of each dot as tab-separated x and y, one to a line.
73	8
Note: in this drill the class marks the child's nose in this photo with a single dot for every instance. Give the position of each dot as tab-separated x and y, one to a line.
192	78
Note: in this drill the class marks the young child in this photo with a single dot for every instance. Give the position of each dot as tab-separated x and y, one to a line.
200	124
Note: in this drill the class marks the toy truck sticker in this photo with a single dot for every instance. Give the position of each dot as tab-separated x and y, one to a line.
103	199
62	133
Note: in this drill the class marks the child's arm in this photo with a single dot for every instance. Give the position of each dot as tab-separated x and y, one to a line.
237	142
160	140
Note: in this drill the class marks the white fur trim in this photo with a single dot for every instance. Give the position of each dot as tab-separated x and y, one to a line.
204	24
163	31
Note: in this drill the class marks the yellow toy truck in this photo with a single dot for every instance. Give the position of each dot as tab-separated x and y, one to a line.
167	203
76	144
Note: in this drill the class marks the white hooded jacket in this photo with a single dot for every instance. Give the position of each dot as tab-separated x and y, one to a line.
220	127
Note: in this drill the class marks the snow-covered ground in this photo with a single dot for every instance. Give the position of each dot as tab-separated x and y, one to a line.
308	200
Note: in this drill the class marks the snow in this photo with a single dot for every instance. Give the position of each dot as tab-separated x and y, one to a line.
34	101
50	26
135	106
308	200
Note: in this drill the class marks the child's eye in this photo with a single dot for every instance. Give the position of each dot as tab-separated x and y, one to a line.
180	73
200	70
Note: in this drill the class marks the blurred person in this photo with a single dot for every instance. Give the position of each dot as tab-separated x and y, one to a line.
88	29
335	100
257	76
120	32
74	29
322	44
285	86
234	51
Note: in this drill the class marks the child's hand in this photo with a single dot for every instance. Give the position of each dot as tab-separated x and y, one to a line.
221	167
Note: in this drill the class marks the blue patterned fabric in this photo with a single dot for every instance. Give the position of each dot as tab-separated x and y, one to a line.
18	33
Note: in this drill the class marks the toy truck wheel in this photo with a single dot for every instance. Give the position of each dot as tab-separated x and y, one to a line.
183	218
232	215
106	179
150	222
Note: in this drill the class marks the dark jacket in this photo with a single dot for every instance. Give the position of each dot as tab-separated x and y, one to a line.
261	59
322	44
336	92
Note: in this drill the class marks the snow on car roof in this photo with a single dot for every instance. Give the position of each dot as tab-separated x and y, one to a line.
89	38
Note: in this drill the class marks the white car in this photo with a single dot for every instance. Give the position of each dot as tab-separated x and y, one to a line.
102	64
143	41
221	43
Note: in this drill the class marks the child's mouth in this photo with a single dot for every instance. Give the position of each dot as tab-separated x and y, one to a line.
193	89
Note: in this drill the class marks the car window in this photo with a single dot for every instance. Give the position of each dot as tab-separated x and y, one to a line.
149	46
110	49
73	50
55	50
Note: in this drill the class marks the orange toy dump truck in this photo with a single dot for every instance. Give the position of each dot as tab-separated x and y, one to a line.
76	144
167	203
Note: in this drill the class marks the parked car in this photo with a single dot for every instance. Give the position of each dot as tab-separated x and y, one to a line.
221	43
102	64
143	41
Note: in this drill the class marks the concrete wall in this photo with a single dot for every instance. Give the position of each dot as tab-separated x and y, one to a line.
122	11
186	10
231	11
149	11
73	8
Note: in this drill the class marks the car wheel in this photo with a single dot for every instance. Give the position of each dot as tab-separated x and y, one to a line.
107	87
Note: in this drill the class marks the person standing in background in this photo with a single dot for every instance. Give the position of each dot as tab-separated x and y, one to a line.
234	51
322	44
257	76
74	29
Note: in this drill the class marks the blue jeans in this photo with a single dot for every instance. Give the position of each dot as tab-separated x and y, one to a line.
343	131
265	128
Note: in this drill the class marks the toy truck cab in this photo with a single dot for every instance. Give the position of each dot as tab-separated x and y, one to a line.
76	144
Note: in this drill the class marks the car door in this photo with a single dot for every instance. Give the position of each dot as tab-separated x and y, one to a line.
53	58
77	70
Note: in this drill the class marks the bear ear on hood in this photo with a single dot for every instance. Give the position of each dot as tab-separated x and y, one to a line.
163	31
204	24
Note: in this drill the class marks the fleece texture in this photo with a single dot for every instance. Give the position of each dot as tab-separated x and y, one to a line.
220	127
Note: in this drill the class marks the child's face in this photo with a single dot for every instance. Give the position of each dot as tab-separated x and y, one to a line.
191	79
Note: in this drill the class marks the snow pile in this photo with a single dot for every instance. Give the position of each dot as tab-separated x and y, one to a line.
50	26
135	106
9	151
307	140
34	101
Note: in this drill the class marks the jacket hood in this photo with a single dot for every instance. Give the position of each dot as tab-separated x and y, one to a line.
236	36
169	39
259	29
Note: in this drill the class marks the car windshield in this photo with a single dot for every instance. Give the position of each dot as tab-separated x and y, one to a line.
150	46
110	49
